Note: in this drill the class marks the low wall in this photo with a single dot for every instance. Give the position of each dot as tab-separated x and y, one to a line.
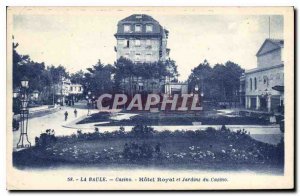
37	111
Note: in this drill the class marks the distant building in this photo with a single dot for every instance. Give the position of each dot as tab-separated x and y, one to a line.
141	39
66	91
172	88
75	89
262	88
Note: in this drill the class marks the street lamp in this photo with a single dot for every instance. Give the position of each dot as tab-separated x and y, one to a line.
35	94
93	100
88	101
16	93
196	92
196	88
201	94
267	95
24	82
24	98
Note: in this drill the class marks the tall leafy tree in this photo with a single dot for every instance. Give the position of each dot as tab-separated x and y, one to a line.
218	83
149	73
98	79
78	77
23	66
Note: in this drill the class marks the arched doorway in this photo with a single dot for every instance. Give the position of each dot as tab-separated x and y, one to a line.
263	103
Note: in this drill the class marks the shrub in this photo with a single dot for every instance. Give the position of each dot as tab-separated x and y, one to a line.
16	125
138	152
280	151
142	131
45	138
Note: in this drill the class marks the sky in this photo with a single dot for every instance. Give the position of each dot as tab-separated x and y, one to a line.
78	41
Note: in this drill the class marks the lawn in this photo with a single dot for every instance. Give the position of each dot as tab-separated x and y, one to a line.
210	149
179	118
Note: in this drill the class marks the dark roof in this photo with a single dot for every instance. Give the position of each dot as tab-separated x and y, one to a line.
277	42
138	18
143	20
278	88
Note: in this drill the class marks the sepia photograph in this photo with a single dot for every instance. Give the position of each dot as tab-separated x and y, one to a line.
150	98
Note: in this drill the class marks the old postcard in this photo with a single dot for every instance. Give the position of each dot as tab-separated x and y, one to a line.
150	98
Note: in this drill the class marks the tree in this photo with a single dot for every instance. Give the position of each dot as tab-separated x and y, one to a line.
218	83
202	77
219	78
40	78
78	77
34	71
57	73
233	74
98	79
148	73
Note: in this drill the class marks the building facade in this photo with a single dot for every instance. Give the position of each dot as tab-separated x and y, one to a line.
141	39
172	88
67	91
263	87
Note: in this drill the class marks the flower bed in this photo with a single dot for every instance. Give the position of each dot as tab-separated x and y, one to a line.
143	146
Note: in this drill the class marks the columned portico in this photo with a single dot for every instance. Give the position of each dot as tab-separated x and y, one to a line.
264	85
269	103
257	102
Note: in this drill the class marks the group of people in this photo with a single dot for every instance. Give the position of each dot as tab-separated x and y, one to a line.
66	114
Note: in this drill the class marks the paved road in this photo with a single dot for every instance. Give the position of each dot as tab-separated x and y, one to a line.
56	121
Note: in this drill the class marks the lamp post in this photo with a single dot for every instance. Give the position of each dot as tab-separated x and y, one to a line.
268	95
201	98
16	102
88	98
196	92
93	100
16	93
200	94
196	88
24	98
35	95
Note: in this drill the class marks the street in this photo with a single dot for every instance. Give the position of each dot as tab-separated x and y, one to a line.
56	121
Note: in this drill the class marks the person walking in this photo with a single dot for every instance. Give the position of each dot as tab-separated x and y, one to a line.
75	113
66	116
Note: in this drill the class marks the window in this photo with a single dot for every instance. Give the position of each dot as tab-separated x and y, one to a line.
149	28
121	42
126	44
126	28
250	84
255	84
141	87
148	42
266	80
148	57
137	42
71	88
137	57
138	28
